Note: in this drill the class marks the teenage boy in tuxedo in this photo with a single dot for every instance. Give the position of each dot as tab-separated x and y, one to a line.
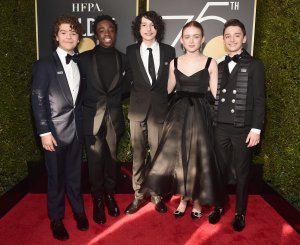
149	60
56	101
238	116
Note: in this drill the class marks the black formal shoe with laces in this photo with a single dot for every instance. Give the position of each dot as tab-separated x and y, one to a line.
196	215
98	211
111	204
58	230
82	221
134	206
238	222
215	215
159	204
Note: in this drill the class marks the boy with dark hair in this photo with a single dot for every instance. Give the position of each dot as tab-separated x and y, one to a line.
57	90
238	116
104	70
149	62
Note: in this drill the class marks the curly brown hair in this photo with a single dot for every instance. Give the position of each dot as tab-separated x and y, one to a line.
66	19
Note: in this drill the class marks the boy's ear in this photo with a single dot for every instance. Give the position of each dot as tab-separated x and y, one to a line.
245	39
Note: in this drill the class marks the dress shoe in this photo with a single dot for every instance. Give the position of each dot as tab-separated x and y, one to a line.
195	214
113	209
82	221
177	214
238	222
159	204
215	215
98	211
59	231
134	206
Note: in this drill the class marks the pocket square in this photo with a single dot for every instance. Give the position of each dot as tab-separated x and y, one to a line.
243	70
60	72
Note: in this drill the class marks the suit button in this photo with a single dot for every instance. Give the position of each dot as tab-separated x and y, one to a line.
224	90
223	100
233	101
234	91
232	110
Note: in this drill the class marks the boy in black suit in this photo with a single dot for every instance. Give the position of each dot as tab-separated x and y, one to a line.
238	116
56	102
149	62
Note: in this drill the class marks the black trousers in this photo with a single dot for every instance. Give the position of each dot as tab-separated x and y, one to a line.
234	159
102	159
64	176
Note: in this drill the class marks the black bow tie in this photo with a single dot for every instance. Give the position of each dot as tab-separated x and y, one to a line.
71	57
235	58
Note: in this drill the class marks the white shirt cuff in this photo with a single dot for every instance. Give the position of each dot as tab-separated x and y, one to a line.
255	130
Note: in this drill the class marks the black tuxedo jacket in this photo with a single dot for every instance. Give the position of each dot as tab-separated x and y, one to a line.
53	107
255	99
143	95
98	99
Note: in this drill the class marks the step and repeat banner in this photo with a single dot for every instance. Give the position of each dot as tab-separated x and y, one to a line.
211	14
124	11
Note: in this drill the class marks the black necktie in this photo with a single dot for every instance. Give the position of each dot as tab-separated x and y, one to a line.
71	57
151	67
235	58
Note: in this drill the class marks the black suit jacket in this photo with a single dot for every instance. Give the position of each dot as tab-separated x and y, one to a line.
53	107
98	99
143	95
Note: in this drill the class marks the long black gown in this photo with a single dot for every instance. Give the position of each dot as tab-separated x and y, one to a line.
185	161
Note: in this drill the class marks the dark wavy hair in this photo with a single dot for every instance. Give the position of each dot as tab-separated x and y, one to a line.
157	20
195	24
234	22
101	18
66	19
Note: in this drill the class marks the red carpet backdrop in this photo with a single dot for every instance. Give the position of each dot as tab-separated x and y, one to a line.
27	224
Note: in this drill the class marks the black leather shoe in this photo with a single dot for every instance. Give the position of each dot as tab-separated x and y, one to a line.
159	204
177	214
82	221
134	206
238	222
113	209
58	230
215	216
196	215
98	211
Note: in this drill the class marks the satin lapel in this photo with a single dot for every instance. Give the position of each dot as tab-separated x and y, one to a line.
62	79
161	64
141	64
235	70
118	73
98	80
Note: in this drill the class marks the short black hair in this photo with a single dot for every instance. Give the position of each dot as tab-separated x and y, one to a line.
157	20
101	18
234	22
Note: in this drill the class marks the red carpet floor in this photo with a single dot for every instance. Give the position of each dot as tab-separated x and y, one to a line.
27	224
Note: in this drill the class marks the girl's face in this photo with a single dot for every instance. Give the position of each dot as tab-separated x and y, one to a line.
192	39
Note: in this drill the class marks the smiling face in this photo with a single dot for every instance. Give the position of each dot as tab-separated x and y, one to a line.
67	38
106	33
234	40
147	31
192	39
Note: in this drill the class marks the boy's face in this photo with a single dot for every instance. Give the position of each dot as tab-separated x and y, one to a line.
147	30
106	33
234	39
67	38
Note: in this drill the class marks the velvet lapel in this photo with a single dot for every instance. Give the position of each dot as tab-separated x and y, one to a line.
141	64
98	80
235	70
117	76
62	79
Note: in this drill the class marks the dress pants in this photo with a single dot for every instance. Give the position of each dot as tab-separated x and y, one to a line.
102	158
64	175
143	134
233	154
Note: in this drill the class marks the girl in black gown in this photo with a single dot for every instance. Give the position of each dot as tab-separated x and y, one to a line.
185	160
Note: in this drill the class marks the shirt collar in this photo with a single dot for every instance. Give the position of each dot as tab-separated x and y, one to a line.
62	54
154	46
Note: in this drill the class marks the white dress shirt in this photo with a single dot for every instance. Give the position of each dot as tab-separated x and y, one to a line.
145	56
